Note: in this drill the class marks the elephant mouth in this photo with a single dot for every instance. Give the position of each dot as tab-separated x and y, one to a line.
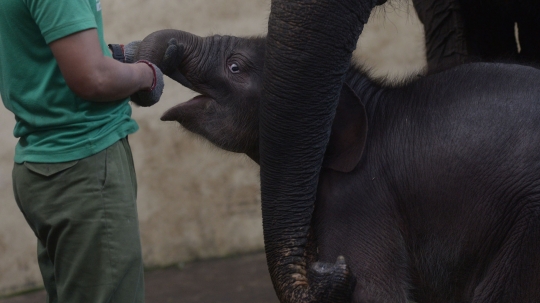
187	109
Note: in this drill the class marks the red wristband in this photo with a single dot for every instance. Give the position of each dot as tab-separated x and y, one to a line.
153	70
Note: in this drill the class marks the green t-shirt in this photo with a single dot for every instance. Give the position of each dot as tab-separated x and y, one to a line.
52	123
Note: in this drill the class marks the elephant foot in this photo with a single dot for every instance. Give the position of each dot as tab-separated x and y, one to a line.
331	283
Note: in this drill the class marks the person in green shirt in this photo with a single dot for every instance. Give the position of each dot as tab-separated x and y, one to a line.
73	176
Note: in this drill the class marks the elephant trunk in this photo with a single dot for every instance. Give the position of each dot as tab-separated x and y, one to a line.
309	47
153	47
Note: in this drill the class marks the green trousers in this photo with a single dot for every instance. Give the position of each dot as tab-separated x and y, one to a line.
84	215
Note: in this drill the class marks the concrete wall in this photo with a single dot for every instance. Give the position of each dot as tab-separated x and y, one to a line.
194	201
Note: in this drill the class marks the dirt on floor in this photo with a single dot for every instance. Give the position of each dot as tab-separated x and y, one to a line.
231	280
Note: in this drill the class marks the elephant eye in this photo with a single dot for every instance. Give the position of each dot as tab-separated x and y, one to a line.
234	68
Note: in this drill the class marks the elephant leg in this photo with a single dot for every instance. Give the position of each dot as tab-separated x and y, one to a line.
363	229
444	33
529	40
527	14
376	254
489	32
459	31
381	271
514	273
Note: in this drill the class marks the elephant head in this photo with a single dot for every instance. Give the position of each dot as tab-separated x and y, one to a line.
217	68
227	111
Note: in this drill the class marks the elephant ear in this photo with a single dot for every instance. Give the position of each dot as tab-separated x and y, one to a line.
349	133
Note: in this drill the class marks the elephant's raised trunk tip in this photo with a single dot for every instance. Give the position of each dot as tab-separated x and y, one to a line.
153	47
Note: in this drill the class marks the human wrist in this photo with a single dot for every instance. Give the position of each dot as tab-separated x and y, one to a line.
148	77
152	80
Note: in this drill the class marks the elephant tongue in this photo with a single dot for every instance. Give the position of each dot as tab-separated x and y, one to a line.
189	108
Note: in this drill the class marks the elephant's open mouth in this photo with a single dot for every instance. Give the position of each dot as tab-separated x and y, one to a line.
189	108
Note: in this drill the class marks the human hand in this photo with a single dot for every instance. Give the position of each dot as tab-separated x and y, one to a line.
125	53
169	63
149	97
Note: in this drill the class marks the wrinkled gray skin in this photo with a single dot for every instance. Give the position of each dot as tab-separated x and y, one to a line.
430	189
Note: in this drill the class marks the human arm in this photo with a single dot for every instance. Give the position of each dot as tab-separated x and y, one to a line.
93	76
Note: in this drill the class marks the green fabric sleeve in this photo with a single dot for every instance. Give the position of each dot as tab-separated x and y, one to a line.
59	18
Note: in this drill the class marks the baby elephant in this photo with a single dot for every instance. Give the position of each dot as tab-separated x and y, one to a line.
429	188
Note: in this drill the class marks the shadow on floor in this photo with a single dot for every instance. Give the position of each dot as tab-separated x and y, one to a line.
232	280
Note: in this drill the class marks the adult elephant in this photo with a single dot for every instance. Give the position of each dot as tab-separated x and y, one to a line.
459	31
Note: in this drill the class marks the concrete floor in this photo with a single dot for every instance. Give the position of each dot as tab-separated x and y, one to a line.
231	280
